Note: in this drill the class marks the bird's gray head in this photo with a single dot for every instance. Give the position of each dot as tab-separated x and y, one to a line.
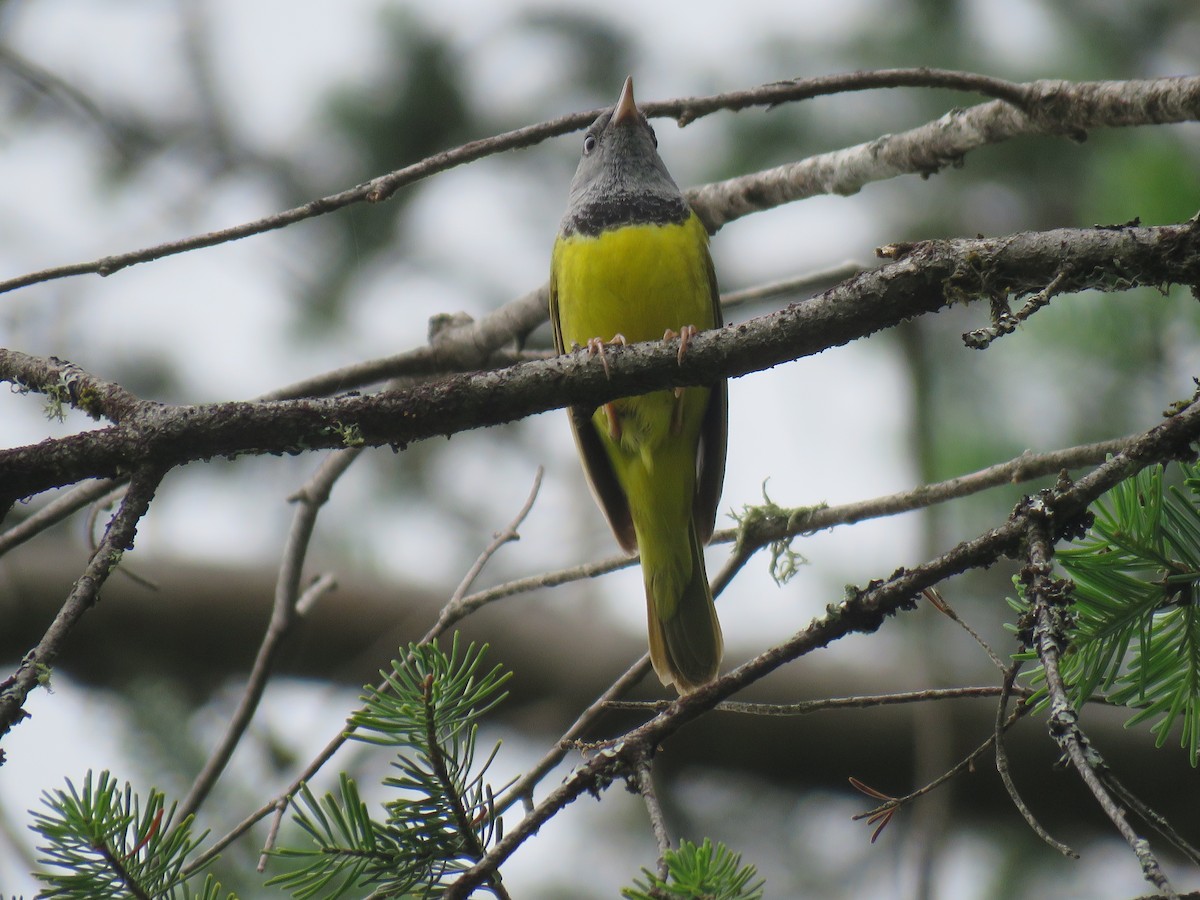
621	179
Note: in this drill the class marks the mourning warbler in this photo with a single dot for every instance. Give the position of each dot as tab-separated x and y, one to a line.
631	263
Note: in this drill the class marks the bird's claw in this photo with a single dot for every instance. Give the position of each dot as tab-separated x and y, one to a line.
685	335
595	347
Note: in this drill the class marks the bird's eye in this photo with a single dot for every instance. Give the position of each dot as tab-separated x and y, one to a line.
589	144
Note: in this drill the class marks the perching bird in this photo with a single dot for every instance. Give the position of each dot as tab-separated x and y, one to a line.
631	263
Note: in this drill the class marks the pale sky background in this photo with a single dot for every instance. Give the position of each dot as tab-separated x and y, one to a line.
223	315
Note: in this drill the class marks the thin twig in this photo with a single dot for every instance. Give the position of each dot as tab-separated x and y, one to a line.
470	345
51	84
804	707
61	507
462	347
278	804
861	611
522	788
104	503
1004	321
1154	819
1049	603
36	667
967	762
787	287
939	601
311	498
1010	677
1032	108
499	539
761	530
658	823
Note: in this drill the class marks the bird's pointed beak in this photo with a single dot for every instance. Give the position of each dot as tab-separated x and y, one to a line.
626	109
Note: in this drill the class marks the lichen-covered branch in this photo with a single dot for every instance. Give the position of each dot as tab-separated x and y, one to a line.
924	278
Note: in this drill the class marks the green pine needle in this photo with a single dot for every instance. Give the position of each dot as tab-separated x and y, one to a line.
105	842
442	818
1136	634
704	872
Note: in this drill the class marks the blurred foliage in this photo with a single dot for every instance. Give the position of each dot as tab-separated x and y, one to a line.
417	106
598	53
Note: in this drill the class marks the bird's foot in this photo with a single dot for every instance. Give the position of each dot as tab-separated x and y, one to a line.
685	335
595	347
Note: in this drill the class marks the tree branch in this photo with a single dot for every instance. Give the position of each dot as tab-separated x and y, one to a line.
925	277
804	707
1049	600
311	497
38	663
1039	107
761	527
863	611
1045	108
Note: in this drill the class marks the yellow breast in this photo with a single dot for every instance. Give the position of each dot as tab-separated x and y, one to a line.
636	280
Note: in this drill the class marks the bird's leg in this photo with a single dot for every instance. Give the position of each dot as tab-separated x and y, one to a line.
614	423
685	335
595	347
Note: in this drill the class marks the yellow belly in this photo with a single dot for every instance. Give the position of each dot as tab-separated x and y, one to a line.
640	281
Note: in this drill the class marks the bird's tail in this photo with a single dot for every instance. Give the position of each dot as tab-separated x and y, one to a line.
685	636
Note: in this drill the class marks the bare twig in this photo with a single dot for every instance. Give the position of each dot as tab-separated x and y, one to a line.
522	788
460	346
759	530
1049	598
464	345
791	90
645	786
548	580
861	611
1043	107
61	507
891	804
1010	676
807	283
311	498
278	805
36	667
804	707
939	601
454	610
53	85
1154	819
1005	322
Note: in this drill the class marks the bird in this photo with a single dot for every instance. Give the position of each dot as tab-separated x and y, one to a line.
631	263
